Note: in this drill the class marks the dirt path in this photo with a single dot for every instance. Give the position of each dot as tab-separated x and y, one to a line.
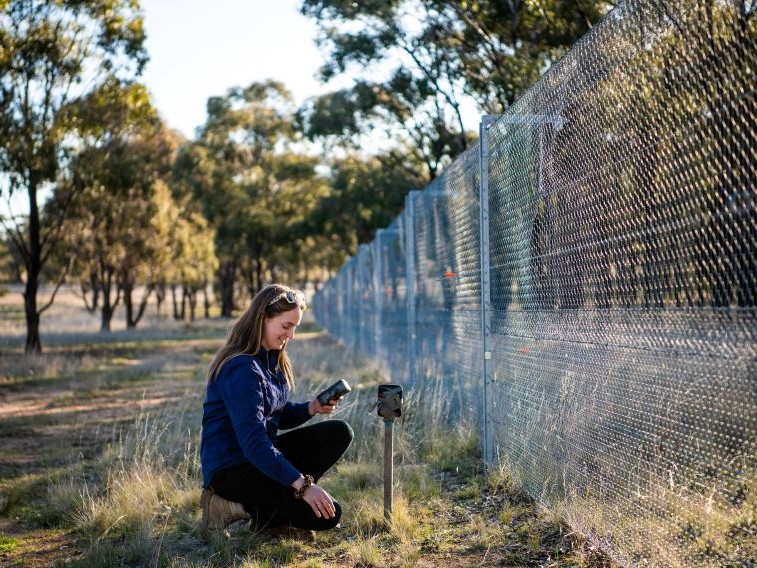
43	420
62	409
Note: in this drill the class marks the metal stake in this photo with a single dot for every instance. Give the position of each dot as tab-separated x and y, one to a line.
388	468
389	408
486	325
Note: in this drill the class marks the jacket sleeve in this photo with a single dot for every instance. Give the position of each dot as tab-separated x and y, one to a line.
294	414
240	388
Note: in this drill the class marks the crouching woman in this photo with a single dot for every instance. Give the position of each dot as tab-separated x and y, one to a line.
249	470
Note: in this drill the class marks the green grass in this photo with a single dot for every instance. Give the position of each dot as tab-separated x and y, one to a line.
8	544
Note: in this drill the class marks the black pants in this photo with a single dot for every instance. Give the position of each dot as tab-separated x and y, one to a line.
310	449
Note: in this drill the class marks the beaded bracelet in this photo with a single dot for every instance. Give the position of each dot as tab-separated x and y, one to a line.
298	493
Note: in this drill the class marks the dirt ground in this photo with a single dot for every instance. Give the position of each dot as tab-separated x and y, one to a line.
64	406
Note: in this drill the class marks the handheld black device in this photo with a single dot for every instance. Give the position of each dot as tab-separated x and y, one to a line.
334	391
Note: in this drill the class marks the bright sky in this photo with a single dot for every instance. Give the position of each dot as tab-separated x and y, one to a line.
201	48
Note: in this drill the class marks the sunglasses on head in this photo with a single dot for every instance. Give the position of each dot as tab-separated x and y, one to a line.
291	296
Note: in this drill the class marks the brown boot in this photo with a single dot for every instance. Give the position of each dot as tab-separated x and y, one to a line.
218	513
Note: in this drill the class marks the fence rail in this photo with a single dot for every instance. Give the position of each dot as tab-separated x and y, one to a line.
582	285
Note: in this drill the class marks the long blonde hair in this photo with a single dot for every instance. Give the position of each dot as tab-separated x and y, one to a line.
246	337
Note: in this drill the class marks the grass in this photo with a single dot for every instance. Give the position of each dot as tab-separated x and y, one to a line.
8	544
112	474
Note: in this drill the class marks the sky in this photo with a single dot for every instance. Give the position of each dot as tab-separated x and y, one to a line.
201	48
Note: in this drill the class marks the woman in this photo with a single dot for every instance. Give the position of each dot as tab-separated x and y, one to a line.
248	469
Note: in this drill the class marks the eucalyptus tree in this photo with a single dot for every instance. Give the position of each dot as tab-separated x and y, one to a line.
252	181
116	227
53	53
149	243
299	190
192	263
416	62
365	194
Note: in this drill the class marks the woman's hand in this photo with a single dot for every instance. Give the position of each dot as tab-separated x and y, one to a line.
315	407
320	502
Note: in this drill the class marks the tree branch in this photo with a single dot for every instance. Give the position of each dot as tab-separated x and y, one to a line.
17	238
60	282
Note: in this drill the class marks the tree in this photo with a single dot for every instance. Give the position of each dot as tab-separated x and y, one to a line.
500	49
439	53
116	228
52	53
250	181
364	195
193	262
296	189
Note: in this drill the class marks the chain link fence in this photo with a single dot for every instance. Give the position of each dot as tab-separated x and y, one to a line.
582	286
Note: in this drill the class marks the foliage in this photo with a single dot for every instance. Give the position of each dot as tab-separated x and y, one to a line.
8	544
418	60
10	262
118	227
193	262
53	54
252	185
365	195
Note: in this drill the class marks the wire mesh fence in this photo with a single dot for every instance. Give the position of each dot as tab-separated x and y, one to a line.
582	285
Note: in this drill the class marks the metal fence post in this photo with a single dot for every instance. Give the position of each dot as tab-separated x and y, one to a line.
486	322
362	342
410	279
351	301
378	286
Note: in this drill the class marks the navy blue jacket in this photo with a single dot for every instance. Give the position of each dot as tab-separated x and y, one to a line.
244	408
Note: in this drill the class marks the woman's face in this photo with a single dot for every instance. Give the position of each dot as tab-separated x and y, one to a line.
279	329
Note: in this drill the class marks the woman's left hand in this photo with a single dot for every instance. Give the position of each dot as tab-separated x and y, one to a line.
320	501
315	407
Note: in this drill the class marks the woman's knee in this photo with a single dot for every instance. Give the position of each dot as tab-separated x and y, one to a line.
308	520
341	431
326	524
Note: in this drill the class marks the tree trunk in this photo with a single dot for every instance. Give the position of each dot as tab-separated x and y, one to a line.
33	269
132	319
128	289
192	297
178	310
160	295
107	309
227	275
175	304
184	297
106	314
91	287
143	304
206	301
33	343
